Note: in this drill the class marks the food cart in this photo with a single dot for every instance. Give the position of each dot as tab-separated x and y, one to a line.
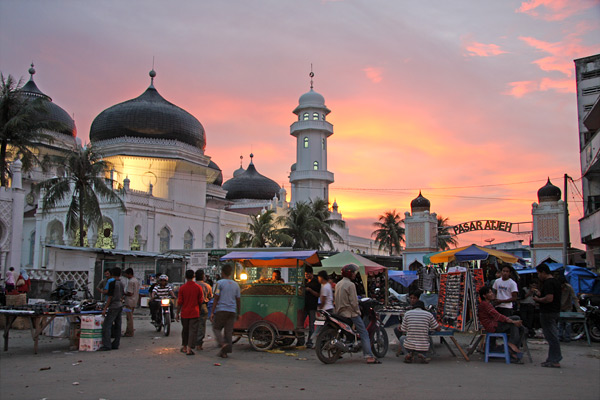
272	312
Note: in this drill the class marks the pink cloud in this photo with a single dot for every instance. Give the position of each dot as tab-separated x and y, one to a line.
555	10
559	85
521	88
373	74
484	50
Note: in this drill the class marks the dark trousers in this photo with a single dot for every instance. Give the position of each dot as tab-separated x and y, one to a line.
514	333
112	327
311	324
527	311
189	331
224	321
202	325
549	322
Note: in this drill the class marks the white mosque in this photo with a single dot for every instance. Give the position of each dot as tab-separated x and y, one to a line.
175	196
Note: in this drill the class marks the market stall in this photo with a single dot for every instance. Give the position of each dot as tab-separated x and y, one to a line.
272	310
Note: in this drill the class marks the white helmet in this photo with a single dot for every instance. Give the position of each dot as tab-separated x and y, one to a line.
163	276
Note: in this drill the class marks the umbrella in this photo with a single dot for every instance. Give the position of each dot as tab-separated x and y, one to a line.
365	266
471	253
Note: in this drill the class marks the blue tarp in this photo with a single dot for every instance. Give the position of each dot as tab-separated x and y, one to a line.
405	278
582	279
553	267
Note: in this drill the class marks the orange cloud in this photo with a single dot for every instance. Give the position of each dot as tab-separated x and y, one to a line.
373	74
555	10
559	85
484	50
521	88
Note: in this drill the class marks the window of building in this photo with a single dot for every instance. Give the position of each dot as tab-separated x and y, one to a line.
137	236
105	236
323	143
306	143
188	240
591	90
209	242
323	117
305	117
316	116
165	239
316	165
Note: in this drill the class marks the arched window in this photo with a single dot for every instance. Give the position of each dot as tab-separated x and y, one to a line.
188	240
31	247
105	236
137	236
323	143
165	239
316	116
323	117
305	117
209	242
306	143
54	233
316	165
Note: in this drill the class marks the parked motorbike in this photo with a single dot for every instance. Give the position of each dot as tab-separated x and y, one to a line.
163	320
592	319
338	337
64	292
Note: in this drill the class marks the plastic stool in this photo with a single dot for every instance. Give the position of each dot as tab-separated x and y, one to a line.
505	354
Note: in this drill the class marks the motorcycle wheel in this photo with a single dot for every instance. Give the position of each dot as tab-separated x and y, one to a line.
261	336
167	323
327	353
577	331
379	344
594	332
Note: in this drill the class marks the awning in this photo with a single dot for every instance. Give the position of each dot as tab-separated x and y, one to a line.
405	278
553	267
274	258
471	253
365	266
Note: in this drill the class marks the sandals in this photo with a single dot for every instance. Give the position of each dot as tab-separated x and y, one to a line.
408	358
549	364
191	353
423	359
373	360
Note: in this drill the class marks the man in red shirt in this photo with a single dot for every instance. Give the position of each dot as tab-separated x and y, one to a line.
494	322
189	300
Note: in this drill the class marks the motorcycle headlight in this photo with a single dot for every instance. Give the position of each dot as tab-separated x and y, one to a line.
165	302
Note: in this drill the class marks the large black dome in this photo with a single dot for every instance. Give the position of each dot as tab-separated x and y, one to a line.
251	185
213	165
148	116
53	112
549	192
420	203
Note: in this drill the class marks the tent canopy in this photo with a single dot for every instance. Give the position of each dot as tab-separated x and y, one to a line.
365	266
471	253
274	258
582	279
553	267
405	278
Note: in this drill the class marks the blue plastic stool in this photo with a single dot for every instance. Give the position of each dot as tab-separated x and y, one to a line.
505	354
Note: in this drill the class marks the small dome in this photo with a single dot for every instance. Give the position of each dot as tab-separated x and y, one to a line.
293	167
219	180
148	116
311	99
420	204
54	112
549	192
240	170
251	185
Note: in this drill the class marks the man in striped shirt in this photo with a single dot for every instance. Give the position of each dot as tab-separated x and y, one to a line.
162	290
417	323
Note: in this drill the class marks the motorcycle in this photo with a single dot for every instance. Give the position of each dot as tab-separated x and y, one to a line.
163	320
592	319
64	292
338	337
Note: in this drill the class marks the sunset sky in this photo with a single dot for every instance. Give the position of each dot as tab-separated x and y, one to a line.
472	102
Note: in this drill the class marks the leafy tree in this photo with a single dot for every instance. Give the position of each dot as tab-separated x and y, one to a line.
21	127
444	236
309	225
86	185
262	231
321	211
389	234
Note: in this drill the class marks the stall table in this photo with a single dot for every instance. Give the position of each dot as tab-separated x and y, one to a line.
572	316
38	323
450	334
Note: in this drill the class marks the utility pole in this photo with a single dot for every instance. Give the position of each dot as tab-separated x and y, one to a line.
566	238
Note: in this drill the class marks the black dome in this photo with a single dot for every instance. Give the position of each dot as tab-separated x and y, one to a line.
148	116
549	192
420	204
219	180
54	113
251	185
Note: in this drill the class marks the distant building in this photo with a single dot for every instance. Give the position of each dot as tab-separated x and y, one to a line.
588	109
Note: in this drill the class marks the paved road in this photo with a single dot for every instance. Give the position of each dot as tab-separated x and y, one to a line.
150	367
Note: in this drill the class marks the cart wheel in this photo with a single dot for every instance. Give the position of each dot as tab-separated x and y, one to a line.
261	336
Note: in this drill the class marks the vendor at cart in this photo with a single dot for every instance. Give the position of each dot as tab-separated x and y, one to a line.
276	277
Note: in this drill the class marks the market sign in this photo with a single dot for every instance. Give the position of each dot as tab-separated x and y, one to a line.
485	225
219	252
198	260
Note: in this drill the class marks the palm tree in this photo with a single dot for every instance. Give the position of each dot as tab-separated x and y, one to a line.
85	183
321	211
389	233
444	236
262	231
309	226
21	126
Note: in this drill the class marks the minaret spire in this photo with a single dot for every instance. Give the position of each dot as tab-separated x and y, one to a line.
312	75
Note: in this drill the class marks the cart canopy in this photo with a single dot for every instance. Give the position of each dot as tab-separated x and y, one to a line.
274	258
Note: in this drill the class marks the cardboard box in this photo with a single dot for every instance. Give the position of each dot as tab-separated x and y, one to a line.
91	322
90	344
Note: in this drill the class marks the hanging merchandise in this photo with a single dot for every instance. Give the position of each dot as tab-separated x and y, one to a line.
457	301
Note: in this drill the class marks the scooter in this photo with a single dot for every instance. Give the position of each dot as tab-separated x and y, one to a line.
163	320
338	337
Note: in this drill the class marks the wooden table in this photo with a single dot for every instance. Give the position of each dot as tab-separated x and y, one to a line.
38	323
450	334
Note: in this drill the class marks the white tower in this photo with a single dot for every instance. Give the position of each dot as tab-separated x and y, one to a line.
309	176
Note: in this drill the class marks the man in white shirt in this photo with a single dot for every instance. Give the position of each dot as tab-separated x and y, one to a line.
506	292
326	293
